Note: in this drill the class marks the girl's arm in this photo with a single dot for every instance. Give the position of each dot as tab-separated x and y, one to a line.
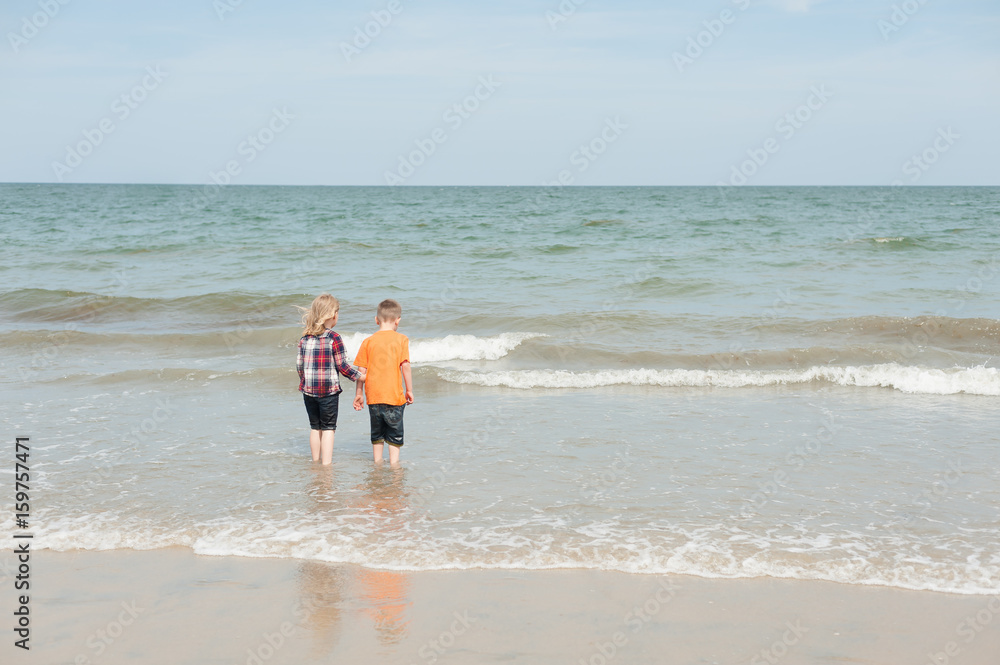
340	360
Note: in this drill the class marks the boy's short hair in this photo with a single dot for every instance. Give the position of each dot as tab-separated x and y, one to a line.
389	310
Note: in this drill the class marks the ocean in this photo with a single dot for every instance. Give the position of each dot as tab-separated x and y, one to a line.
731	383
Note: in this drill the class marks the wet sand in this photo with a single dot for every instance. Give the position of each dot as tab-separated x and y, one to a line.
172	606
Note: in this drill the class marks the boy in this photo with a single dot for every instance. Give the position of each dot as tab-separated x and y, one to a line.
385	355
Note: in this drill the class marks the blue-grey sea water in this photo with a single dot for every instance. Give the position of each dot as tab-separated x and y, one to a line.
740	382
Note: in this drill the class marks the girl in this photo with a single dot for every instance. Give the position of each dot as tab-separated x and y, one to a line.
320	358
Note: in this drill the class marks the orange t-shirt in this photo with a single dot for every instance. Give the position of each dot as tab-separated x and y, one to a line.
382	354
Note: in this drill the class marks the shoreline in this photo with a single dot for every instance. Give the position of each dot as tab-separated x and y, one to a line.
172	606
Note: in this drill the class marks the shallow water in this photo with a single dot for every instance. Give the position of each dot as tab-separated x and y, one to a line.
791	382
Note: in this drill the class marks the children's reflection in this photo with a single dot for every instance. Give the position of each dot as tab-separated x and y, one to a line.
321	594
385	592
322	585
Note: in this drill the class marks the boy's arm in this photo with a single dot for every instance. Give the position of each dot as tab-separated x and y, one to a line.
359	394
407	380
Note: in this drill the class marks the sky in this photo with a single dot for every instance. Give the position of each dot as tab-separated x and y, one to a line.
438	92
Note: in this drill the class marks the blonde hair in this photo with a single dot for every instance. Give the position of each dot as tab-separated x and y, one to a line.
388	310
323	307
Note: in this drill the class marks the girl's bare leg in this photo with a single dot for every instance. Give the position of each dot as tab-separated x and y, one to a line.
326	445
314	443
393	455
377	452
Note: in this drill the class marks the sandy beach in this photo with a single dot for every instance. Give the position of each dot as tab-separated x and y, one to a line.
172	606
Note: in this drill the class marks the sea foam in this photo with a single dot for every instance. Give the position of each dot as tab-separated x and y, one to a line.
452	347
709	551
907	379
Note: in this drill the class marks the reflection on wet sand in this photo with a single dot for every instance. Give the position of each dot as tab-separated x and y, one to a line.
321	594
386	592
323	587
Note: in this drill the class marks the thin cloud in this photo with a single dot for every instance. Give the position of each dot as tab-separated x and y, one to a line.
797	6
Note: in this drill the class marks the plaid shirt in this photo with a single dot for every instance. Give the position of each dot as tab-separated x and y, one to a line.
319	359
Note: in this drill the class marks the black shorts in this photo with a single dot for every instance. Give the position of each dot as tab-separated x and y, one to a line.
322	411
387	423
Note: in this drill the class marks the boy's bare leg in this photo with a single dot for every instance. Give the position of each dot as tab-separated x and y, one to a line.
377	452
314	443
393	455
326	445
